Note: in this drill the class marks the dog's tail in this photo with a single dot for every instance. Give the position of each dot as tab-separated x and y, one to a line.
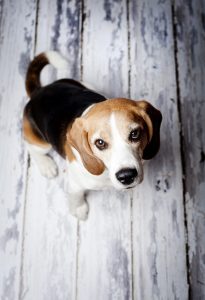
37	64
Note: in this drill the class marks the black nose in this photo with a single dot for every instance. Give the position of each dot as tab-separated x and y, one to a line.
126	176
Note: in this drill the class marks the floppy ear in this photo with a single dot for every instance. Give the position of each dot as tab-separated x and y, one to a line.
153	119
77	137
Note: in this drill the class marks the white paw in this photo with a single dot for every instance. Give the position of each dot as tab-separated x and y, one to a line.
48	167
81	212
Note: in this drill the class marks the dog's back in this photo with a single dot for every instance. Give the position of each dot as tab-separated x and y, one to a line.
53	108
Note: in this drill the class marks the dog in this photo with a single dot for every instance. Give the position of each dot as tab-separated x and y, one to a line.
104	141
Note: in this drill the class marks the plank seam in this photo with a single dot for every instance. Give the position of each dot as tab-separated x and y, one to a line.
129	48
77	259
181	141
129	94
36	26
1	12
83	16
20	296
132	246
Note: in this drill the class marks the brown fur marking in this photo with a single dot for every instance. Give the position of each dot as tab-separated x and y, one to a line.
33	73
142	109
31	136
69	153
77	137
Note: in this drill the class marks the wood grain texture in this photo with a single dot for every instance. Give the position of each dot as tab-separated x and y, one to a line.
104	260
49	269
190	21
133	244
15	37
105	55
1	11
158	222
61	31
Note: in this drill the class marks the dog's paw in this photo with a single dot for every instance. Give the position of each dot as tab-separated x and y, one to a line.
80	212
48	167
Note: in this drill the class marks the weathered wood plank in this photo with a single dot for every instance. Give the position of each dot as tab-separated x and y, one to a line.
1	11
104	262
17	19
61	31
49	268
190	18
158	212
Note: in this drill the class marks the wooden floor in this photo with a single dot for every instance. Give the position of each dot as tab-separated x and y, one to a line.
145	244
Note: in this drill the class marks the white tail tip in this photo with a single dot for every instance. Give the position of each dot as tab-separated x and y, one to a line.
56	60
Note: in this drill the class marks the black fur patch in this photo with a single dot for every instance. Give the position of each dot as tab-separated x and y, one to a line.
53	107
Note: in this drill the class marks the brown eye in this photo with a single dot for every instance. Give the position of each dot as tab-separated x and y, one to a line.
135	135
100	144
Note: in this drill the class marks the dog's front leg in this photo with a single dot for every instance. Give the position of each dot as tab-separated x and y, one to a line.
75	190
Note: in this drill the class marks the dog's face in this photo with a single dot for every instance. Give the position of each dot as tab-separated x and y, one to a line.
117	134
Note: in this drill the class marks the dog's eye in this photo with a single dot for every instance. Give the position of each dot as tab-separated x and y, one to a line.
100	144
135	135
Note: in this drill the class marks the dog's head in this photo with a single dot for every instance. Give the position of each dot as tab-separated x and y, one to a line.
117	134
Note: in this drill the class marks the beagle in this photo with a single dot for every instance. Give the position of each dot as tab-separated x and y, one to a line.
104	141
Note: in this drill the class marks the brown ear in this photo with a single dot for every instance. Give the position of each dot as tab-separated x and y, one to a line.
153	119
77	137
